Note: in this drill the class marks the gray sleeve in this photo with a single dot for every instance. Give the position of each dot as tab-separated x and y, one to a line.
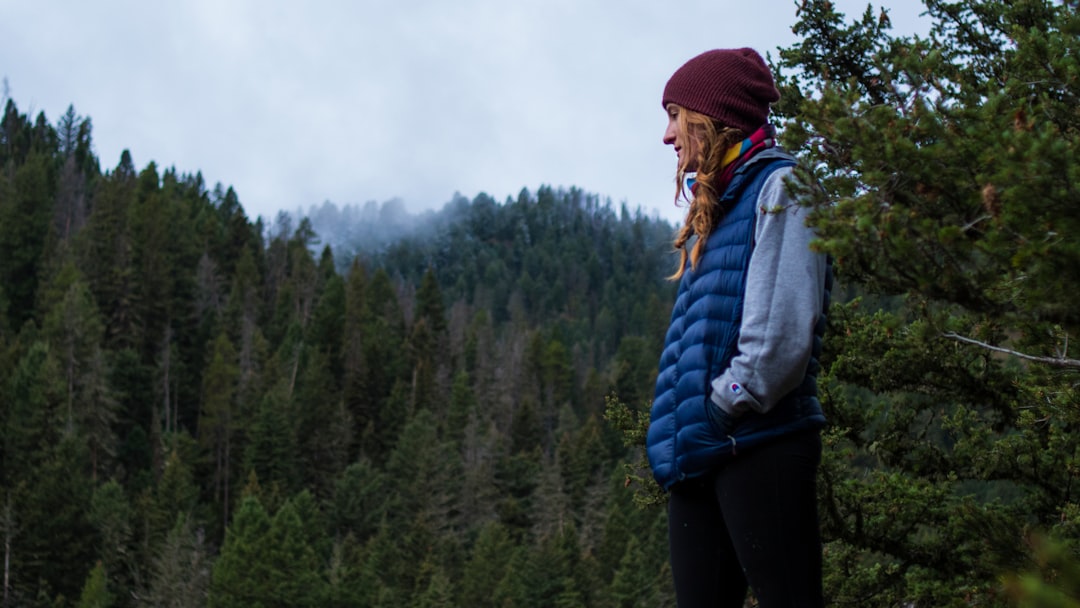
785	287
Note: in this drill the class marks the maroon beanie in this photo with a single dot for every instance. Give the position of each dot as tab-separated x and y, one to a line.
733	86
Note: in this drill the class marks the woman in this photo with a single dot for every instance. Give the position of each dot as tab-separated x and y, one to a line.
734	436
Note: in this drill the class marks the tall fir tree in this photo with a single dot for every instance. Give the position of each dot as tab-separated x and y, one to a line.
218	420
941	169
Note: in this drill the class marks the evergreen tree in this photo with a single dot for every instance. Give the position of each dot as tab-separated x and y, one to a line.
294	577
423	347
27	191
360	501
241	575
413	470
77	177
462	406
942	169
95	594
272	452
181	570
153	274
34	420
438	594
106	253
635	370
479	451
218	420
487	565
355	391
631	586
176	495
328	325
386	573
75	333
345	587
550	574
111	515
53	552
321	424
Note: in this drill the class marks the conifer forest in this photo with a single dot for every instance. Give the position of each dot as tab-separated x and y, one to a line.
198	408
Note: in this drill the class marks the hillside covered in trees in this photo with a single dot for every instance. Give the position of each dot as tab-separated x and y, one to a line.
198	409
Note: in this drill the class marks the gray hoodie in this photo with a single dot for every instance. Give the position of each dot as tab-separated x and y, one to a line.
785	287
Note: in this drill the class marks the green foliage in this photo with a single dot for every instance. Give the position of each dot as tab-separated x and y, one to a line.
1053	583
95	593
111	515
180	573
213	413
942	168
633	424
240	575
423	428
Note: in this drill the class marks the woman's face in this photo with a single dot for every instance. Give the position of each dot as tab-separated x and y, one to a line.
675	135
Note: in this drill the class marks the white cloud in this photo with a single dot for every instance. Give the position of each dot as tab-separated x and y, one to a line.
297	103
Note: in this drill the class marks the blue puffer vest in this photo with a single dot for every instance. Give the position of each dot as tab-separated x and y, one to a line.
703	338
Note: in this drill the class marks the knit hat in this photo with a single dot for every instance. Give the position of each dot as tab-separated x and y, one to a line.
733	86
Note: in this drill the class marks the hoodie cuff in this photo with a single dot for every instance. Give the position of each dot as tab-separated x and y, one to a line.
732	397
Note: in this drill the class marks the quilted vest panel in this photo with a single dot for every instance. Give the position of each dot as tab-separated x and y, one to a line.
702	339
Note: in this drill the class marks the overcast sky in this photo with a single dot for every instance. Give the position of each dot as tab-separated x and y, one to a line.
296	103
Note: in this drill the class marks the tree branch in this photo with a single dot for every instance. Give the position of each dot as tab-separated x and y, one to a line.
1054	361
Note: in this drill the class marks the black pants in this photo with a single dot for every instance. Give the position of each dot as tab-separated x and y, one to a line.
753	522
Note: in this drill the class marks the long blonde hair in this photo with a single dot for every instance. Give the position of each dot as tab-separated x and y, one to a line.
708	142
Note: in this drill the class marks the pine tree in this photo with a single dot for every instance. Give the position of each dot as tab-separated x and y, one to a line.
54	549
106	254
176	496
439	592
95	594
386	572
34	420
111	515
631	585
153	276
27	191
293	566
355	392
180	577
479	452
77	177
218	420
328	325
412	468
424	360
462	406
345	586
942	171
487	565
74	330
272	452
322	426
242	576
360	501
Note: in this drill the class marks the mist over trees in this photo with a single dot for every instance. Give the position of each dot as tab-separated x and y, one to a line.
198	409
352	230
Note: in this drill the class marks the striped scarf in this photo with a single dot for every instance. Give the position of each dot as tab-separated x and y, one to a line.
737	155
762	139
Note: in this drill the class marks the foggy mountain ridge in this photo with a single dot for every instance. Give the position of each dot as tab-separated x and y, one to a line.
372	228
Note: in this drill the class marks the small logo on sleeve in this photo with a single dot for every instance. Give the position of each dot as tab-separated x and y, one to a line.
735	388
